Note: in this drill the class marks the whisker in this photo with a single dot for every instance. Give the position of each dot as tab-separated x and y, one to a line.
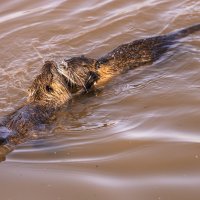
73	78
70	81
83	84
79	78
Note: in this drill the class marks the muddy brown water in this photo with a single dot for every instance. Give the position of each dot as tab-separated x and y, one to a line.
138	139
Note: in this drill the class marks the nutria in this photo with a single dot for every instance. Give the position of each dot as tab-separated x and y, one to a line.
124	57
48	93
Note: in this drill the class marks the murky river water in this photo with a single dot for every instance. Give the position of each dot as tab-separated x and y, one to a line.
139	138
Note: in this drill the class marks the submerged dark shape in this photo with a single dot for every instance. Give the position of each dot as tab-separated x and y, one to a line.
124	57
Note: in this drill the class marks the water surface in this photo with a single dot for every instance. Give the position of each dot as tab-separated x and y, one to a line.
136	139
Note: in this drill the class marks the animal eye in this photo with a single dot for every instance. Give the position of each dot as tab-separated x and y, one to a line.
49	88
97	65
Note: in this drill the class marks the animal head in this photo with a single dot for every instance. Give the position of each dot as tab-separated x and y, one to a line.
78	71
49	87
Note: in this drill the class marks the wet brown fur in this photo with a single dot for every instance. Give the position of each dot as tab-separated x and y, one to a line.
47	94
125	57
50	90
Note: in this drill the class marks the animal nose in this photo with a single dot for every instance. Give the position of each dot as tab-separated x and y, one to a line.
64	64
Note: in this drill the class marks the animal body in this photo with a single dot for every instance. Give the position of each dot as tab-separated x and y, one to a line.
124	57
47	94
56	84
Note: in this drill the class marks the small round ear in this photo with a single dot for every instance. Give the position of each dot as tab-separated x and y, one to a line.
49	89
48	66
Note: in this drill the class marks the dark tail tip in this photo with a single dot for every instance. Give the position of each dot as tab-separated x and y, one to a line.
186	31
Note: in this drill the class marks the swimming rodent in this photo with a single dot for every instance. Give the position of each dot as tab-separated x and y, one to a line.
124	57
47	94
56	85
